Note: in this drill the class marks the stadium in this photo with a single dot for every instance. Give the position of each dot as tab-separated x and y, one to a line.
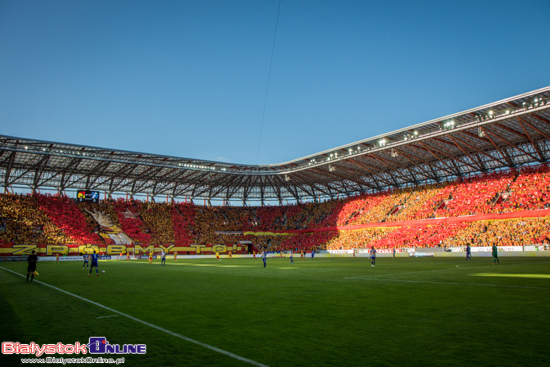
274	183
419	196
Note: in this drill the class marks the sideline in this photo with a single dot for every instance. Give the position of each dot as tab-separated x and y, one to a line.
207	346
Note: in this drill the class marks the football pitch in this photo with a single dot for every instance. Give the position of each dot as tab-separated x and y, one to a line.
321	312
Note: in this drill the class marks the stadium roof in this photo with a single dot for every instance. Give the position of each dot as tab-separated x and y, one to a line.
500	135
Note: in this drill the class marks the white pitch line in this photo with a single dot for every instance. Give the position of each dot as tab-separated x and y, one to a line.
103	317
448	283
207	346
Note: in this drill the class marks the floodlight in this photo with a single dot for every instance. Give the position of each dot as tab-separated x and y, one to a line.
480	132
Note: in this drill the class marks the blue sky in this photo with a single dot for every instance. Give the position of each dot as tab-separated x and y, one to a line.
189	78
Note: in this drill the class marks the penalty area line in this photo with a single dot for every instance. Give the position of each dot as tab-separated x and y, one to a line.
207	346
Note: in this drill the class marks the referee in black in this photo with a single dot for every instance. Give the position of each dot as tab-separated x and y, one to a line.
31	268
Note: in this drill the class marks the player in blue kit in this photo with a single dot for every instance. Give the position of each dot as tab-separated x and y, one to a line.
163	258
372	256
291	258
468	252
85	257
264	255
94	257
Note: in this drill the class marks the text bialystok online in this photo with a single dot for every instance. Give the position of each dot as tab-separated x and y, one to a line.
96	345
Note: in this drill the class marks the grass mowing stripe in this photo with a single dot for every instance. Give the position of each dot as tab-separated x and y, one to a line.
440	270
207	346
446	283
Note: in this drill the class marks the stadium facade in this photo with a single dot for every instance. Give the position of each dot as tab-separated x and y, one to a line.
505	134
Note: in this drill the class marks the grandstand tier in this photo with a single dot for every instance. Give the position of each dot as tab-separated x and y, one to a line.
478	177
511	207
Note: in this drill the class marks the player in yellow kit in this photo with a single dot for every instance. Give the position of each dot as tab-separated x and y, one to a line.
218	256
150	257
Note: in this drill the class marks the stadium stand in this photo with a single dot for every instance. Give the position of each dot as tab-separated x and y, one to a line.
529	191
66	215
183	216
24	223
46	219
128	214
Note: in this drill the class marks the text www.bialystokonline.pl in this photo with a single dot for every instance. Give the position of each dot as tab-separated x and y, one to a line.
82	360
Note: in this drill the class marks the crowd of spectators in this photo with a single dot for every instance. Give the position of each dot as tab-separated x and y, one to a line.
475	195
531	190
420	235
128	214
104	207
420	203
360	238
157	219
514	232
66	215
58	219
307	242
367	208
24	223
183	221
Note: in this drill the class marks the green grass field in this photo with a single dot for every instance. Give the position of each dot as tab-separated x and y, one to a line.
337	312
